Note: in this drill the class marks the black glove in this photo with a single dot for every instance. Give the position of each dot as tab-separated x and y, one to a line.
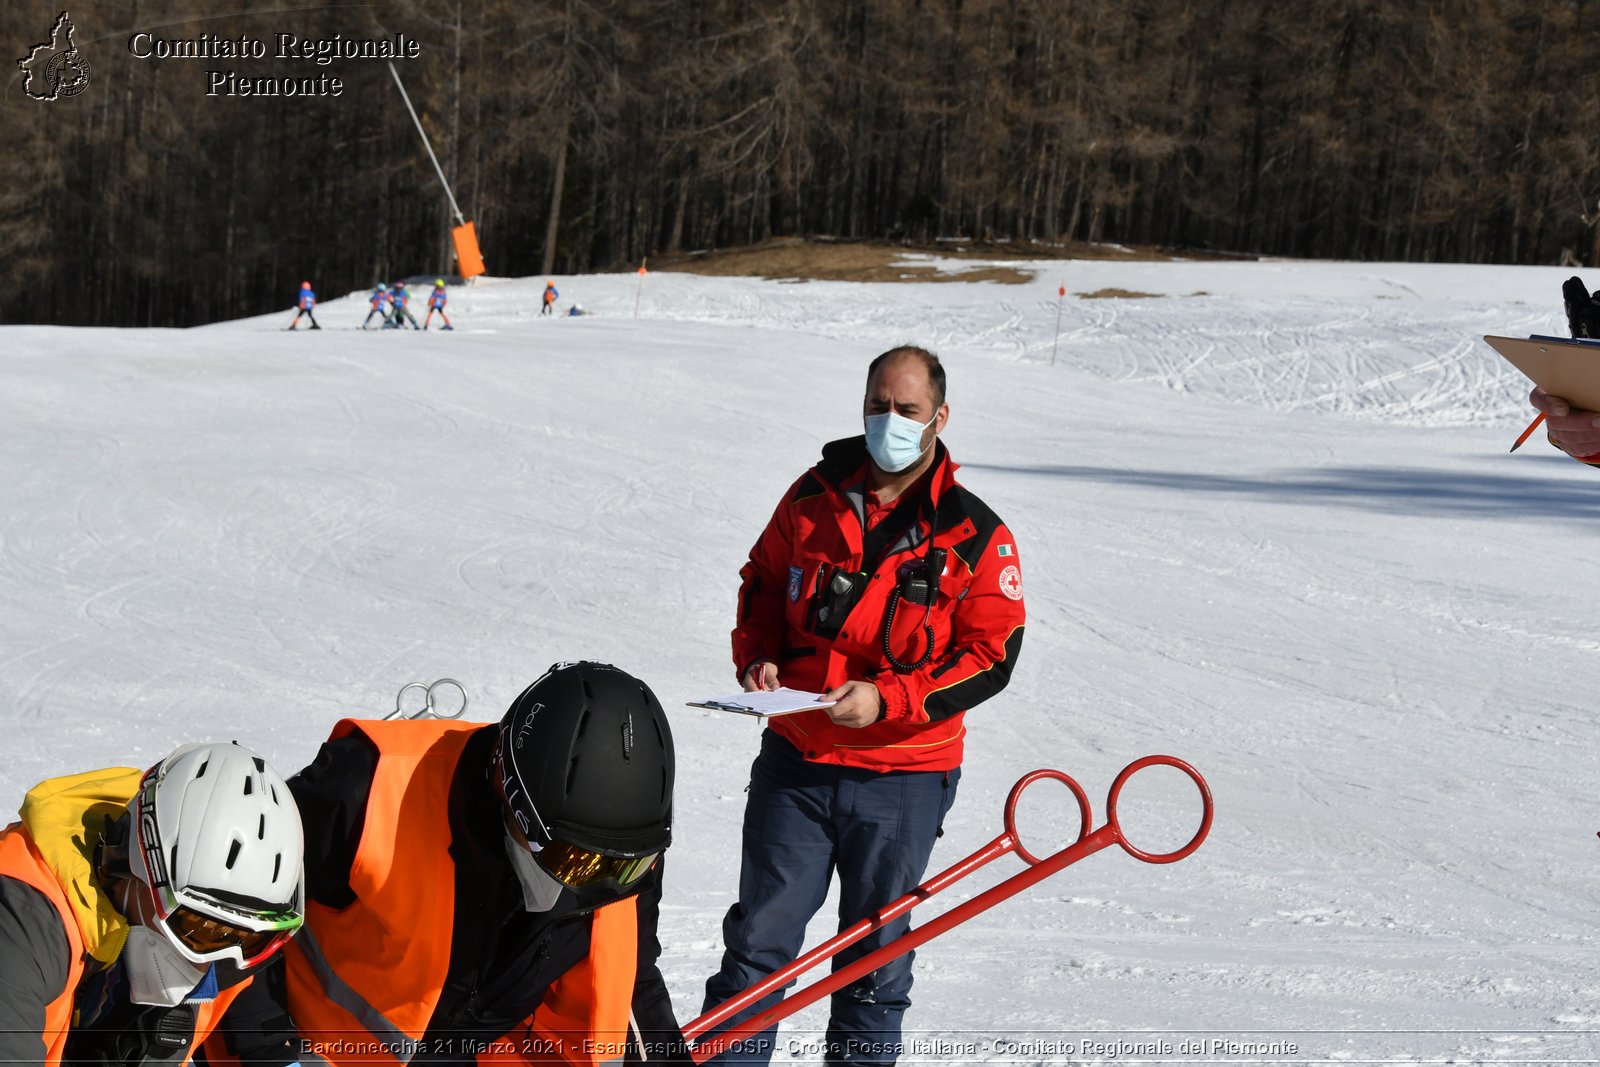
1583	310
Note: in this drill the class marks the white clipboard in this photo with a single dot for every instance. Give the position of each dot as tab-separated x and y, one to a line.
765	703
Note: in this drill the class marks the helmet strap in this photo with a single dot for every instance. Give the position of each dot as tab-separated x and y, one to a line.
111	850
539	890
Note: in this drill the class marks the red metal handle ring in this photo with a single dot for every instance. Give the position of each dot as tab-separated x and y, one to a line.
1016	794
1116	827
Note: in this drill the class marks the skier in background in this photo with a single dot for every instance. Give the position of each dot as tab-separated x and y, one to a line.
550	295
303	306
400	314
436	302
379	301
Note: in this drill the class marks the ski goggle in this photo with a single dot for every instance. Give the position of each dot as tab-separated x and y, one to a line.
580	867
208	936
577	867
202	930
572	864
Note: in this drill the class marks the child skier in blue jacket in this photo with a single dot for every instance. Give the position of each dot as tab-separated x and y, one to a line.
379	301
436	301
399	313
303	306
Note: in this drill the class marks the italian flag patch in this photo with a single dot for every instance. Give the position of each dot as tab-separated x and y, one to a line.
1005	550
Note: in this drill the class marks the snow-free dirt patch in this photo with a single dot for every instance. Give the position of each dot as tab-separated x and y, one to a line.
799	259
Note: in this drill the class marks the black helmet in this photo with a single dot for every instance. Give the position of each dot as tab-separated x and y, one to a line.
585	757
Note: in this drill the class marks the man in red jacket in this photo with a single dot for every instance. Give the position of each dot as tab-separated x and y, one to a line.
884	583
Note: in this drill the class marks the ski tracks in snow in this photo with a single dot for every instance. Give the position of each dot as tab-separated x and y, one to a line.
1396	358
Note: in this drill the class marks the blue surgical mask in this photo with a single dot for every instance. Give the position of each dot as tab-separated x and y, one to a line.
895	442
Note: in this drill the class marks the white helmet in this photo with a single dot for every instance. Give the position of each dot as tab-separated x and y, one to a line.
217	845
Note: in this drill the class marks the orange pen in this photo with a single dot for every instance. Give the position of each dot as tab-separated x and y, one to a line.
1532	426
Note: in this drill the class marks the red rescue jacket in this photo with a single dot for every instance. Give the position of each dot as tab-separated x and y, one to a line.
815	535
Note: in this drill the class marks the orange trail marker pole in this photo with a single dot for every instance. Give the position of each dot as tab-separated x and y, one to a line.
639	291
1061	295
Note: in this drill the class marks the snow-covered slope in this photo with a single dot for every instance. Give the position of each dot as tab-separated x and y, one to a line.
1267	524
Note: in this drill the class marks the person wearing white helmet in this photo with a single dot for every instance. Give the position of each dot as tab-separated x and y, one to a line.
135	907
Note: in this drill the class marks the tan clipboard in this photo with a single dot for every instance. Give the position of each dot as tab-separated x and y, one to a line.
1568	369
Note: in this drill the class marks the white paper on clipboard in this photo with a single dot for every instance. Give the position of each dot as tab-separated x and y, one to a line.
765	703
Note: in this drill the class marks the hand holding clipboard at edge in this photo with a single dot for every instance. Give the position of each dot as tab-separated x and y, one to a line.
1566	374
1567	394
1575	431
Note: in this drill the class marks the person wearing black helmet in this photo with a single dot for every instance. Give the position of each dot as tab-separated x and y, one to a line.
490	890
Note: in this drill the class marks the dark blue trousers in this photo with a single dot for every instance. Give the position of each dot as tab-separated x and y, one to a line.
802	822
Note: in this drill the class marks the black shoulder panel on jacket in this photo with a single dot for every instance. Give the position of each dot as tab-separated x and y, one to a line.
808	486
961	504
332	797
842	458
35	950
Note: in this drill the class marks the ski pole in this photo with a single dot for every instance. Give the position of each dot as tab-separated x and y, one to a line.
1038	870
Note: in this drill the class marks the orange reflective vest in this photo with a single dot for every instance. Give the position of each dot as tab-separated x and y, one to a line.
60	870
364	980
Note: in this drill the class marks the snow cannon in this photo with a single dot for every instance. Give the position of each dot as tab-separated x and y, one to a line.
1088	843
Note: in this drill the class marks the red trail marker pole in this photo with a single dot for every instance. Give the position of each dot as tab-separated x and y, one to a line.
1061	296
640	290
